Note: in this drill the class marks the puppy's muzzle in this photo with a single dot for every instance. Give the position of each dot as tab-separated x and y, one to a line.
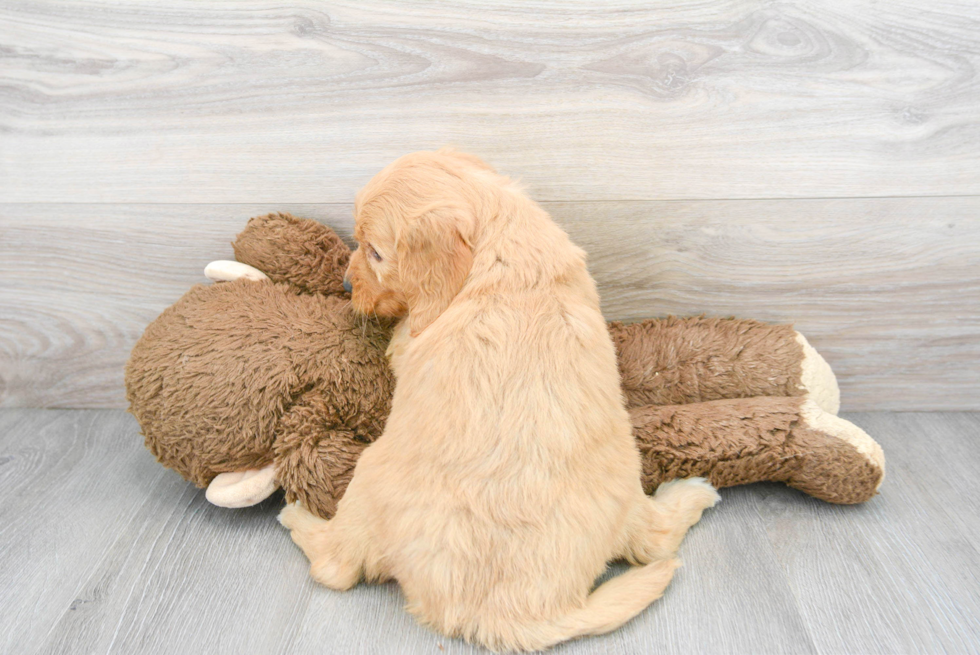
347	285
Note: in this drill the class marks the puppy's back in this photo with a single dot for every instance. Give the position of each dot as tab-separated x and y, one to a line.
522	451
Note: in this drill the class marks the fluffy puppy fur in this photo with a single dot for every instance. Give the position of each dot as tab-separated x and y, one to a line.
507	475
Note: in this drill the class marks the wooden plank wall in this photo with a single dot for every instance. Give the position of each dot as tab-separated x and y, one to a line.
814	162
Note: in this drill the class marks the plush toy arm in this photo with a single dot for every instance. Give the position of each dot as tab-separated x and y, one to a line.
684	360
298	251
739	441
314	456
315	467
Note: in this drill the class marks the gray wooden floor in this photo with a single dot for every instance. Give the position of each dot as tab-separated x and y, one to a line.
103	550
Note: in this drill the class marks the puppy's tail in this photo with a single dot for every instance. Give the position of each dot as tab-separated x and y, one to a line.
611	605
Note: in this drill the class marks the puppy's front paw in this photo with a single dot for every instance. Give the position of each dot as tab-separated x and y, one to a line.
332	573
304	528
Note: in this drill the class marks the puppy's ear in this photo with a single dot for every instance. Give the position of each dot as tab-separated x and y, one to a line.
434	258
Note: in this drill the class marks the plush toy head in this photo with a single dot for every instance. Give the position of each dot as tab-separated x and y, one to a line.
271	380
240	375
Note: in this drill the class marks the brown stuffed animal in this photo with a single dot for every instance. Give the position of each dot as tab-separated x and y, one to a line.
270	380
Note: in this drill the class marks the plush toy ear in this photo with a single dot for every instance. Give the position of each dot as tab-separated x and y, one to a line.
434	258
224	270
242	488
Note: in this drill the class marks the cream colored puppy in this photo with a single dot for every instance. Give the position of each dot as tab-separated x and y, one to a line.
507	475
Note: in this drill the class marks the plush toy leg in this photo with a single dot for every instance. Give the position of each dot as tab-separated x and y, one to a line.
316	467
673	361
738	441
242	488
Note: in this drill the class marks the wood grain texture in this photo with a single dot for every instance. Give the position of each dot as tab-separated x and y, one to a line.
69	482
900	573
887	289
154	101
729	566
78	284
186	577
105	551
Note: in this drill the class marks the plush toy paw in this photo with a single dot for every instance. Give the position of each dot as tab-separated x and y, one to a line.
224	270
817	378
838	461
242	488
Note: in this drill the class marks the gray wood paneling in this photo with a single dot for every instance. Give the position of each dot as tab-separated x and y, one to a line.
158	101
886	288
105	551
730	158
79	283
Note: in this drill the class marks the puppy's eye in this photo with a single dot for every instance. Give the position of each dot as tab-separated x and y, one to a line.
373	253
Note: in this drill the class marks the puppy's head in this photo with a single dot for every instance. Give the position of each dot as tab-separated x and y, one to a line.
415	224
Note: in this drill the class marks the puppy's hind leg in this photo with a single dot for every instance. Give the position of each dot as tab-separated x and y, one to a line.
659	523
333	562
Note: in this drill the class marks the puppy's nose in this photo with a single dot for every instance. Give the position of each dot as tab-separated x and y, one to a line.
347	286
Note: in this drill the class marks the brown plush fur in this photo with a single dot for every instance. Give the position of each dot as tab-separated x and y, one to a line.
674	361
240	374
314	260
